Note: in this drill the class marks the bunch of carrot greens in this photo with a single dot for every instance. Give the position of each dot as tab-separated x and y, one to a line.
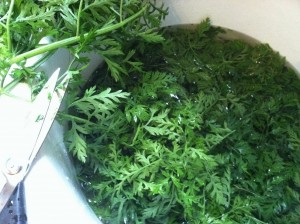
178	125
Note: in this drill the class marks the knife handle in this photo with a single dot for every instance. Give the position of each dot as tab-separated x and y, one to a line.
14	211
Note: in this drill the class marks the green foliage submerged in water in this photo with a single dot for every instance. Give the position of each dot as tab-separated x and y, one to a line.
209	134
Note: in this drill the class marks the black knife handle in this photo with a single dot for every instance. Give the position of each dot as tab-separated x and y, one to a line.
14	212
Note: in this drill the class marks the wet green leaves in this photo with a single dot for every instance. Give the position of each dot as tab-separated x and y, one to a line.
208	134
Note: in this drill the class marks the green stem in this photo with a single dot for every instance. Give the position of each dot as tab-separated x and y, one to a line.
4	26
121	10
11	6
72	40
136	135
6	89
74	118
78	18
2	81
66	73
46	48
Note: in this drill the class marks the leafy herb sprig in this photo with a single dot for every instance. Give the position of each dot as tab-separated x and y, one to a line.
208	134
80	26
